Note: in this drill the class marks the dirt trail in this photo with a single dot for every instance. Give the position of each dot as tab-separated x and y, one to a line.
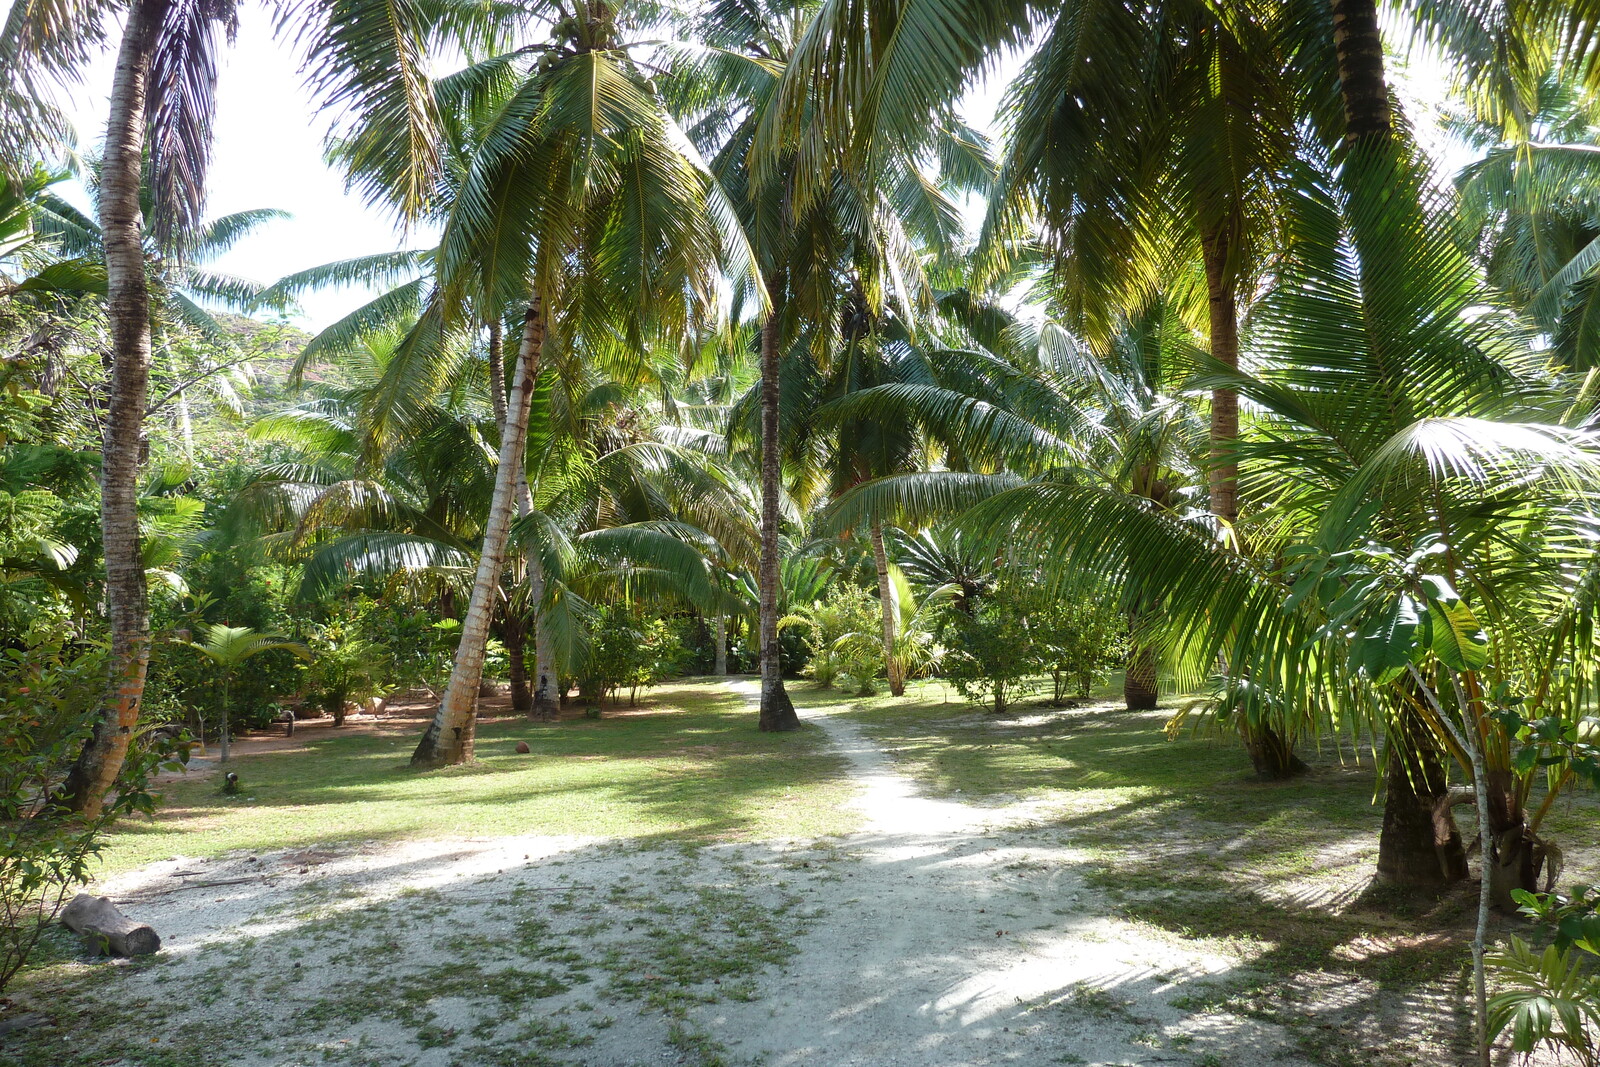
963	935
942	934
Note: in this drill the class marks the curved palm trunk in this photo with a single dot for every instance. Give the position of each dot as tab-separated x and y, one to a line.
891	662
449	738
128	313
777	710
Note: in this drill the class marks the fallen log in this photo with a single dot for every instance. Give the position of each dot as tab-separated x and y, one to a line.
106	930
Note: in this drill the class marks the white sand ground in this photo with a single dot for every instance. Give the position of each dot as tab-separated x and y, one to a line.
940	935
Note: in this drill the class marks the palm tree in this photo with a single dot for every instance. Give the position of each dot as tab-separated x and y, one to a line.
228	647
582	197
161	103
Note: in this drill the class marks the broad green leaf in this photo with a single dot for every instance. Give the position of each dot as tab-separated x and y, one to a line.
1458	639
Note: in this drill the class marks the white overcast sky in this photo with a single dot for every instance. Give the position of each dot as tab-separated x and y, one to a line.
268	153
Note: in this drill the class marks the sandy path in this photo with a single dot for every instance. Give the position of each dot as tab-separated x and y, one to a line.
962	935
942	934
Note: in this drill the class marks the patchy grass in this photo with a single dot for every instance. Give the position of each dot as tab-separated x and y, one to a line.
687	764
1181	836
531	982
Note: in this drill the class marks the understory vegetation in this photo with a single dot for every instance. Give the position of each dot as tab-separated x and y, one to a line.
872	350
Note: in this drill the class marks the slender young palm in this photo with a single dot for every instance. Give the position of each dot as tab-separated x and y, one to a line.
230	646
827	248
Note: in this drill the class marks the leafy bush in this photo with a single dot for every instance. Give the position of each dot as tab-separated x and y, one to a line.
990	653
1076	639
344	668
49	700
844	637
1552	997
626	652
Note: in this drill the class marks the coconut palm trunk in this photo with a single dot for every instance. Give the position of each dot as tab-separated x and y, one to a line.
1139	683
1420	845
777	710
1223	305
1270	752
449	738
128	315
891	661
546	691
720	636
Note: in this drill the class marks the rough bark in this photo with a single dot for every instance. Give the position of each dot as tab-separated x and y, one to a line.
1139	691
449	737
1420	846
1223	306
1363	87
1271	754
514	632
106	930
891	662
128	315
777	710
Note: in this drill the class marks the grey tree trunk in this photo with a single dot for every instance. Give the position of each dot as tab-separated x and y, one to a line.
720	631
128	314
449	737
546	690
777	710
891	662
106	930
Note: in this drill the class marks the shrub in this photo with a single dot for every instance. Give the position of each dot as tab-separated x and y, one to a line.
844	638
1551	998
990	650
49	700
1076	639
627	652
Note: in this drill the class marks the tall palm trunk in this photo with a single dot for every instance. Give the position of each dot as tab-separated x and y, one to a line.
128	314
1270	752
891	661
1409	852
719	666
514	632
1223	304
449	738
546	690
777	710
1363	89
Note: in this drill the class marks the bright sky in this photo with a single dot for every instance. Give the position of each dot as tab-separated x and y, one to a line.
268	153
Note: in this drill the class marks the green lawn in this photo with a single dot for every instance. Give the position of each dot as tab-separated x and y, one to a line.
688	765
